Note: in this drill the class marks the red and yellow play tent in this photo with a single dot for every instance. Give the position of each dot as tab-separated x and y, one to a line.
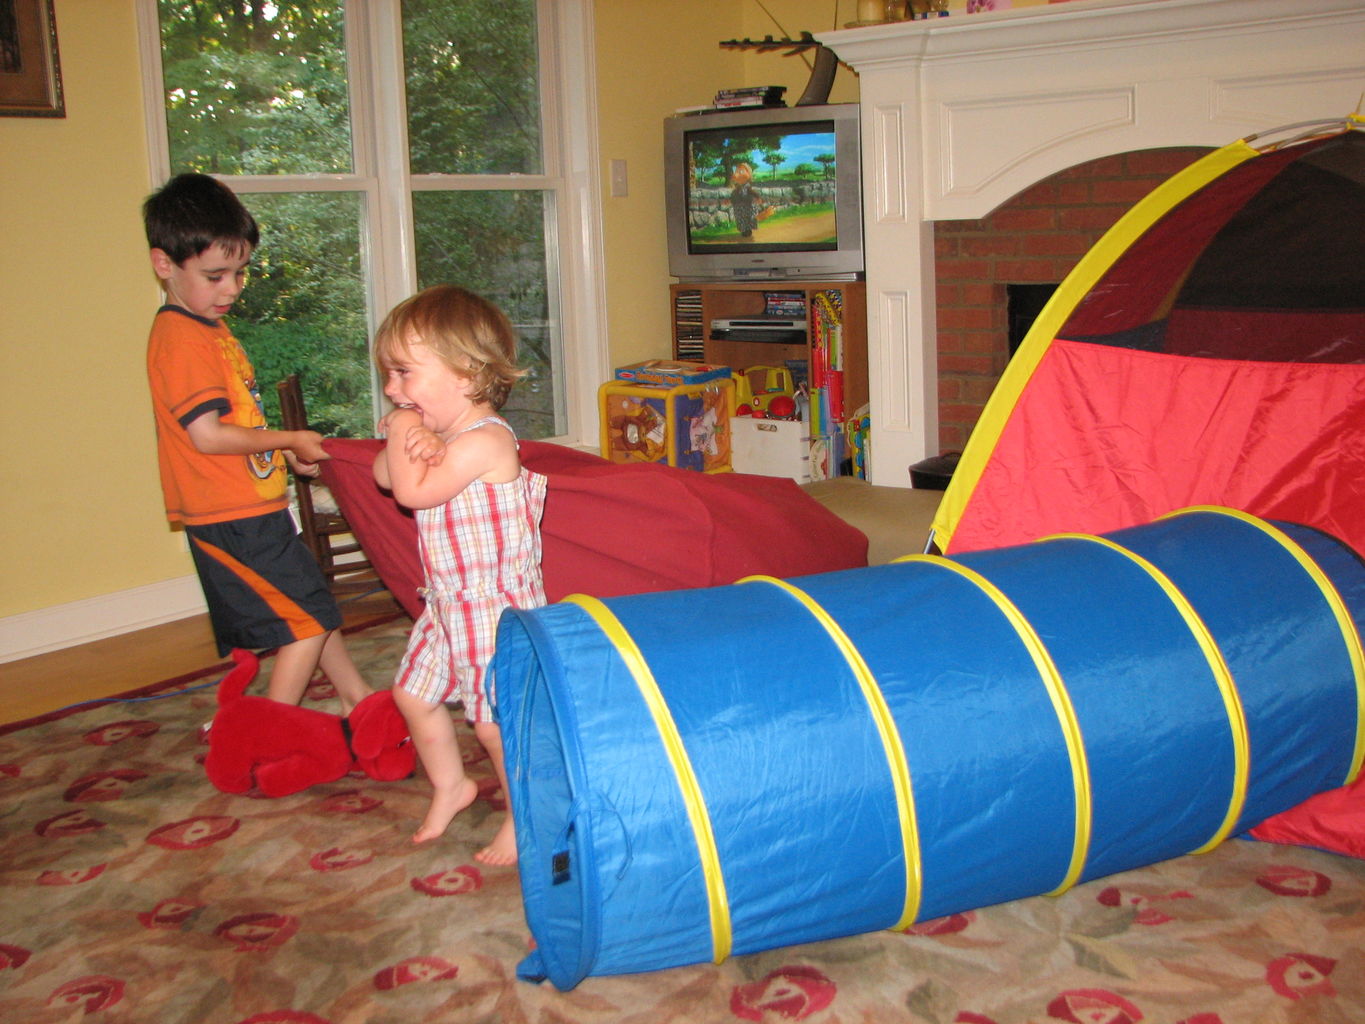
1210	349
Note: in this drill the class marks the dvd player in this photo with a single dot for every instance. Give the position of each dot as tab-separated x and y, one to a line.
771	329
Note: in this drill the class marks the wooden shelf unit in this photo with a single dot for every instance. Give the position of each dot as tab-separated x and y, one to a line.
696	304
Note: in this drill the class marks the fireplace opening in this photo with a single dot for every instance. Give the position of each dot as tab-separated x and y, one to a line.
1024	303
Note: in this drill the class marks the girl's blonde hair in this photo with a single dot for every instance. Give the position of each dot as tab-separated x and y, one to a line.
467	332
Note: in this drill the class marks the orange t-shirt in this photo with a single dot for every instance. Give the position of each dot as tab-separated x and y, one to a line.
197	368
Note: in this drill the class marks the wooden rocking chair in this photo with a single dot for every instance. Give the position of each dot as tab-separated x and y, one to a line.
326	533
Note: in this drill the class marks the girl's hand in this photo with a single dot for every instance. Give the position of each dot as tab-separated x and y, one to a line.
423	445
395	421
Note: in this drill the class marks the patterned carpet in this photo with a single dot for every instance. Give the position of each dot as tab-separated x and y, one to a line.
132	891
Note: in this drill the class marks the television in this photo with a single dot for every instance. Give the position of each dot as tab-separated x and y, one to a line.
764	192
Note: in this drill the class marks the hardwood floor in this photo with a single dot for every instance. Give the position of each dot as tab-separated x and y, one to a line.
47	682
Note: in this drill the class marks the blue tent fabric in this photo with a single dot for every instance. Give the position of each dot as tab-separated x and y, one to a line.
702	773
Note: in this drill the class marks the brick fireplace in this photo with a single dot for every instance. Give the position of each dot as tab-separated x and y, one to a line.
1034	238
996	147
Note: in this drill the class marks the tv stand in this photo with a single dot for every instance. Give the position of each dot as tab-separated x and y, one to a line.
697	304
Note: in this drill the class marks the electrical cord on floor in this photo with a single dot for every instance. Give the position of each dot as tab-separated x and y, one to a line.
131	700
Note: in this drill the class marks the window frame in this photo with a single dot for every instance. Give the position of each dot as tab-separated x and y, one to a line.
381	178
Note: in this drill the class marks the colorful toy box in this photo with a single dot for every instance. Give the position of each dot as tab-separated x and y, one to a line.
671	372
685	425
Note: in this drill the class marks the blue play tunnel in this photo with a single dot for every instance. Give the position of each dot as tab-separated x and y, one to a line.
701	773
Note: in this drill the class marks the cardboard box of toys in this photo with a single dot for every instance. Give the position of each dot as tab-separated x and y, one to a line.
686	425
772	448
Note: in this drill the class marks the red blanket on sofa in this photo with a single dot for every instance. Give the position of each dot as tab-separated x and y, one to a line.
610	529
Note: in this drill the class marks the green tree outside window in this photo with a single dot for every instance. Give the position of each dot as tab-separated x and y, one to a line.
261	89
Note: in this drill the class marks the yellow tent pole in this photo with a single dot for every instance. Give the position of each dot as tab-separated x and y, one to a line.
1084	276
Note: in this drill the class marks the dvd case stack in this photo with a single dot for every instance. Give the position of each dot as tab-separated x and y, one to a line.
785	305
750	96
689	343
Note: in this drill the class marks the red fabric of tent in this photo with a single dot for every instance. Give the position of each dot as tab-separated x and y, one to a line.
1334	821
1210	349
611	530
1106	438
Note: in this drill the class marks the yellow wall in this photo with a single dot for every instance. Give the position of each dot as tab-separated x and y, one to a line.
80	508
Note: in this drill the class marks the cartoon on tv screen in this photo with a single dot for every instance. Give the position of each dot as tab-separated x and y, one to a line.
761	190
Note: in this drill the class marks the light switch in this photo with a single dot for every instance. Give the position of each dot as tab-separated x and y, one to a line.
619	185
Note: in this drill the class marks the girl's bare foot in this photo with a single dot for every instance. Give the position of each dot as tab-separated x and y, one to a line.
503	849
444	806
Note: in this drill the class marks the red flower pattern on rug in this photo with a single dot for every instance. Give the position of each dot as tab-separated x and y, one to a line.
193	833
791	993
251	933
172	914
415	969
1300	975
452	882
102	786
92	993
1286	880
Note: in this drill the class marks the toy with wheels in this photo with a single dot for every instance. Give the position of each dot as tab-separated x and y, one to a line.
758	386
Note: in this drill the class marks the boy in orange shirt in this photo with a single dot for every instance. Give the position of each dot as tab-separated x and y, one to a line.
223	472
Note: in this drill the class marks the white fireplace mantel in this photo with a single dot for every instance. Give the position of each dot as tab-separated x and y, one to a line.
959	114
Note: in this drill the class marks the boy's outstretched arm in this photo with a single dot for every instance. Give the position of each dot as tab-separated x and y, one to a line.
212	436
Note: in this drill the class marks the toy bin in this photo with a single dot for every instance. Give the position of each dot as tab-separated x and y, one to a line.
671	372
772	448
687	425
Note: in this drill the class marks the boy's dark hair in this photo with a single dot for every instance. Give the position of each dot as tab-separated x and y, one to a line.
191	212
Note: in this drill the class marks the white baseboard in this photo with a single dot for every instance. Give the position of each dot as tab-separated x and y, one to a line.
66	625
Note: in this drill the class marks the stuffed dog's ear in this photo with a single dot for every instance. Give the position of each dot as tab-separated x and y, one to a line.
379	738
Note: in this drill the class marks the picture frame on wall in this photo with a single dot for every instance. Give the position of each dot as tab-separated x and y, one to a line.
30	72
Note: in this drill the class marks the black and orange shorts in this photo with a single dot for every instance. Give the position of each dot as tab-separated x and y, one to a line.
263	586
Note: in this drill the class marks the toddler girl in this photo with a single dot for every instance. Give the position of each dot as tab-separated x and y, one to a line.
448	360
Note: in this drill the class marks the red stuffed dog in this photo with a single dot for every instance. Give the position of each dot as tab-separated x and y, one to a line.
283	749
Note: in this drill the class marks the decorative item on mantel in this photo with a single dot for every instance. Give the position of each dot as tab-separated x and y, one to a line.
883	12
821	75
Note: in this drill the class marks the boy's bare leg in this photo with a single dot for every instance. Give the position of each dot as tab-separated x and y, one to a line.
293	667
433	734
295	664
336	662
503	849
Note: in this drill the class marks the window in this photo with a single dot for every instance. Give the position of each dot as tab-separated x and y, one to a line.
384	146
